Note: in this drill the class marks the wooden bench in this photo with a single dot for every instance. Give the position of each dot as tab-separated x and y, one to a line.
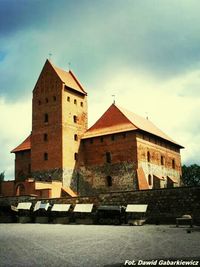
185	218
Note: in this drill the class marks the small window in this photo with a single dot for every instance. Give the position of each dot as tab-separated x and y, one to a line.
109	181
75	119
54	98
46	117
91	141
75	101
81	104
149	179
45	137
75	156
148	156
29	168
162	160
76	137
124	135
173	164
108	157
68	99
39	102
45	156
113	137
101	139
47	100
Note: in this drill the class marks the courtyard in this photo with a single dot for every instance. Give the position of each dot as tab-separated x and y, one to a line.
92	245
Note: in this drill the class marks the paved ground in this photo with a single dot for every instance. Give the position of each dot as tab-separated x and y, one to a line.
89	246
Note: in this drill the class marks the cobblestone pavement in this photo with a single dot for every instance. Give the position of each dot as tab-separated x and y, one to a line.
89	246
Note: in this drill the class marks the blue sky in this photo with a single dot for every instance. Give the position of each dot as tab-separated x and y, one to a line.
145	52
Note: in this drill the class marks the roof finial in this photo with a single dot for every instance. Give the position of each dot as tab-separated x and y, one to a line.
69	65
147	115
113	99
50	54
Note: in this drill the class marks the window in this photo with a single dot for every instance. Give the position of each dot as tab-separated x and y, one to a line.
29	168
113	137
149	179
39	102
108	157
76	137
81	104
124	135
45	156
75	156
75	101
54	98
68	99
101	139
47	100
46	117
148	156
109	181
162	160
75	119
45	137
173	164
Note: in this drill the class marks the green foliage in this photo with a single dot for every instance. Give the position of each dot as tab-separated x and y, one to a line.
2	176
191	175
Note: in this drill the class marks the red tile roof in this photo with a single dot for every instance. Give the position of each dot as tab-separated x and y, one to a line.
117	119
25	145
142	181
69	79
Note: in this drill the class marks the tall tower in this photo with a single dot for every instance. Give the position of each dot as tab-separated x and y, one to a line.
59	119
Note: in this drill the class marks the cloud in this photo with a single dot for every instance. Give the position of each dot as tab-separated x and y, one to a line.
15	122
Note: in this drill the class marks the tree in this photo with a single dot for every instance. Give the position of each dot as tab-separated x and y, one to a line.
2	176
191	175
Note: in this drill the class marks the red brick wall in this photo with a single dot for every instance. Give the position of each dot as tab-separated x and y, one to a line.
46	100
22	164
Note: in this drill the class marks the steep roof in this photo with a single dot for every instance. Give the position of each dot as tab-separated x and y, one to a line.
25	145
117	119
69	79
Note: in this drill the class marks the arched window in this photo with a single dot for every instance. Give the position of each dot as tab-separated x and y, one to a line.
75	119
45	156
68	99
46	117
45	137
20	190
149	179
148	156
162	160
75	101
109	181
108	157
173	164
76	137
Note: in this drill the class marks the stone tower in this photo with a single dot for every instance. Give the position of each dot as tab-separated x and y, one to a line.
59	119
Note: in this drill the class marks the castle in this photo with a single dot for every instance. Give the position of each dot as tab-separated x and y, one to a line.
121	151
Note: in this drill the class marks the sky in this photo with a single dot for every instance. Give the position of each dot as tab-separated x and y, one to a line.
146	53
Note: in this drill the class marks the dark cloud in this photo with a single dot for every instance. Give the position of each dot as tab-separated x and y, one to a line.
160	37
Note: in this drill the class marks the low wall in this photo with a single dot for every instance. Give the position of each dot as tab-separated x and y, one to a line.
164	205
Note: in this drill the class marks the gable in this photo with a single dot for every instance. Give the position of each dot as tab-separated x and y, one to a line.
112	121
68	78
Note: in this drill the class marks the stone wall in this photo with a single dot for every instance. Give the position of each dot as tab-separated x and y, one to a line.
164	205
